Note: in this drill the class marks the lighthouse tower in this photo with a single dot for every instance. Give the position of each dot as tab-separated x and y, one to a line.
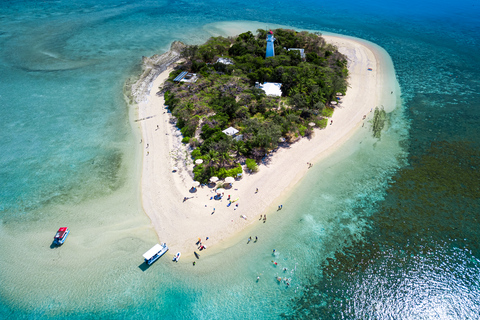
270	47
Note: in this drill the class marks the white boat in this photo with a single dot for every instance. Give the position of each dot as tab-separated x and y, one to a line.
154	253
177	257
61	236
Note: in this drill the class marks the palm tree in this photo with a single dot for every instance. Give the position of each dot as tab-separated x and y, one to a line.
224	157
212	157
239	148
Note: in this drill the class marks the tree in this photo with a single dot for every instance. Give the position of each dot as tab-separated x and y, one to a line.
189	52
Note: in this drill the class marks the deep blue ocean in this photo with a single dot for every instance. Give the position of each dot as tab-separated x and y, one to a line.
393	234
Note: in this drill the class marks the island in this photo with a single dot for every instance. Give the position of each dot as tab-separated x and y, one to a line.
236	99
256	115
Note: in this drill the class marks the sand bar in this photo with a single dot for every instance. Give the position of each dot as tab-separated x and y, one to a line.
180	223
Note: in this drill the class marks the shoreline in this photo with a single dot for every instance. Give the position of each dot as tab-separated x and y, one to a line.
180	223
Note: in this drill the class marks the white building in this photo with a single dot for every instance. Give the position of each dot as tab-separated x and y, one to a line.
231	131
272	89
226	61
302	52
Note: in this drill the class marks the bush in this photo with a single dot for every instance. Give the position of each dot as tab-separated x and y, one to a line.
323	123
232	172
196	153
193	142
185	139
302	130
251	165
327	112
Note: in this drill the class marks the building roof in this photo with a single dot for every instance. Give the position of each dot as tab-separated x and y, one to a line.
230	131
272	88
180	76
225	61
302	51
190	77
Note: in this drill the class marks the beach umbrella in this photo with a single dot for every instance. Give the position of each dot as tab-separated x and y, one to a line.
220	190
213	179
195	184
229	179
333	102
198	161
175	169
312	124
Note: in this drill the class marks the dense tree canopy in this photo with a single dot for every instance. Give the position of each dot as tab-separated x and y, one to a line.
225	95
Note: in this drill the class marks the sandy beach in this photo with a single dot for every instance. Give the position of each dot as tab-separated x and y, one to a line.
180	223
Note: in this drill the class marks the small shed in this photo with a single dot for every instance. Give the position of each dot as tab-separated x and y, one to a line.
231	131
190	77
302	52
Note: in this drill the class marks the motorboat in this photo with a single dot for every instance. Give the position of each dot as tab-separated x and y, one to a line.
61	236
154	253
177	257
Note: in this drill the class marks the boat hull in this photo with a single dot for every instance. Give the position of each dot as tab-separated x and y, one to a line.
60	241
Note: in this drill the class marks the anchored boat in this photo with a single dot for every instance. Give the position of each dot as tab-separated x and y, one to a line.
154	253
177	257
61	235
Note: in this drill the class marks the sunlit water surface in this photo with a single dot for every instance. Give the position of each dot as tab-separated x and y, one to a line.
381	229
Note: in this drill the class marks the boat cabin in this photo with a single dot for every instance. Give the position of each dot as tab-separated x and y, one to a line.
154	253
61	235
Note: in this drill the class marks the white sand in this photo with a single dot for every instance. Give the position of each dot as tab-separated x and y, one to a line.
180	223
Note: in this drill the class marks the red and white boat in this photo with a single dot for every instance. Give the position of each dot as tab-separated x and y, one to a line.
61	235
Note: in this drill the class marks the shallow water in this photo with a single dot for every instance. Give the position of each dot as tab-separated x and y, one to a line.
381	229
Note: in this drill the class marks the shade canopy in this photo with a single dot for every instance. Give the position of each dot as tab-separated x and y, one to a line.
229	179
195	183
213	179
339	94
175	168
220	190
198	161
333	102
312	124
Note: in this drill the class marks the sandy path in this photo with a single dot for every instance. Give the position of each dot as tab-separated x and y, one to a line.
180	223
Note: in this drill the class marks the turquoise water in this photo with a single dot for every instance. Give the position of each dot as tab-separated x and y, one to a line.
381	229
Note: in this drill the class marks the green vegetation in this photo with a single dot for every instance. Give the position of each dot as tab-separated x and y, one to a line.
379	119
251	165
225	96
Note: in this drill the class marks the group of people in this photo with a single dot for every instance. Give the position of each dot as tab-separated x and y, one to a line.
250	239
264	218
